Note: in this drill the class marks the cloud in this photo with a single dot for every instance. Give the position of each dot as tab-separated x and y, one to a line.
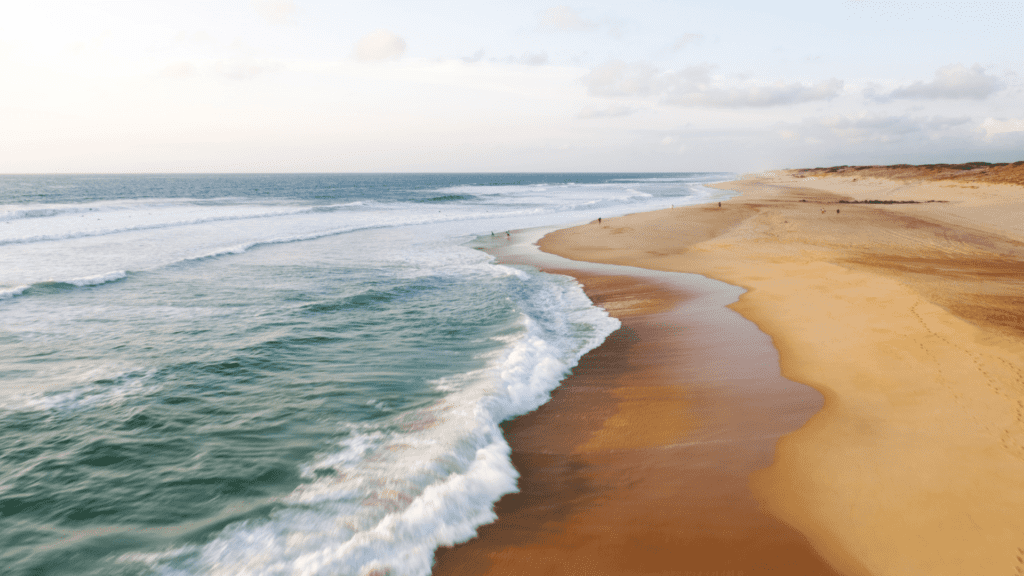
276	11
241	68
695	87
566	18
528	59
702	93
953	82
179	70
685	40
617	78
871	128
476	57
538	59
245	69
993	126
615	111
379	45
199	38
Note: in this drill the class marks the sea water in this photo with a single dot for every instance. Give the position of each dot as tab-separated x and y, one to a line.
277	374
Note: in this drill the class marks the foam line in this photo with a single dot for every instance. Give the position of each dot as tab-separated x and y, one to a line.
162	225
12	292
391	498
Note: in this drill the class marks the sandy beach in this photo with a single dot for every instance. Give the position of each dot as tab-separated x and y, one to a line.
900	301
639	462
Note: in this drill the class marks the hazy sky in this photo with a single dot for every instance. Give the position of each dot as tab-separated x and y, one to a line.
397	85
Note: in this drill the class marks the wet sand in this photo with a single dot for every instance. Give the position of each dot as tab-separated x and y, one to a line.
640	462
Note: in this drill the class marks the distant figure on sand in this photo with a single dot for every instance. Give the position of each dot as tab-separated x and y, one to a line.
508	234
837	210
719	204
598	219
822	210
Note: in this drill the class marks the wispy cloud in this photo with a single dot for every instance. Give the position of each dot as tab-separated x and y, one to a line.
696	87
179	70
527	58
276	11
534	59
476	57
953	82
685	40
245	68
379	45
197	38
692	90
567	18
871	128
615	111
618	78
994	126
240	68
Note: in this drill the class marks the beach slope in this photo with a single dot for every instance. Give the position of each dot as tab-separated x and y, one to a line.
902	302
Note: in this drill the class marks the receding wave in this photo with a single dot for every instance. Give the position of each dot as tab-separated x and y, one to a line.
107	390
57	210
50	286
39	213
12	292
450	198
391	497
368	298
93	280
98	278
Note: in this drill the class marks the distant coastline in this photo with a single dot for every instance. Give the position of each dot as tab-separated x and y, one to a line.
969	172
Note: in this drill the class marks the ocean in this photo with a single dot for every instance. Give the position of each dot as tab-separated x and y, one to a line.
277	374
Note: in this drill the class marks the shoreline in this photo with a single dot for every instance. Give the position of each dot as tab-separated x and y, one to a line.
908	318
639	462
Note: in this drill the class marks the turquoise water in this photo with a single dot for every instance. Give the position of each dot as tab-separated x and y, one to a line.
294	374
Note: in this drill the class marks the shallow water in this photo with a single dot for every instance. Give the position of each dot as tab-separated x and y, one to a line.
295	374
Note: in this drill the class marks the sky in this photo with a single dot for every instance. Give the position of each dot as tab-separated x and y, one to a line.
100	86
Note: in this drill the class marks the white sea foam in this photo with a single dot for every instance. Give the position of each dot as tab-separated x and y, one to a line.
41	212
12	292
388	498
80	241
99	278
169	210
99	386
93	280
126	220
407	480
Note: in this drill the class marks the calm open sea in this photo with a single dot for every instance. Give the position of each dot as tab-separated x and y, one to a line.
276	374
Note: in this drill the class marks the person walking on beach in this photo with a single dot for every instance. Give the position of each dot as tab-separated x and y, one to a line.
598	219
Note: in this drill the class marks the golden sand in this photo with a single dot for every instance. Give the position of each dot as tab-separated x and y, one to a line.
909	319
639	463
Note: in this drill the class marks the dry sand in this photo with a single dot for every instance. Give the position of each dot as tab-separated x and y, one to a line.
909	319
